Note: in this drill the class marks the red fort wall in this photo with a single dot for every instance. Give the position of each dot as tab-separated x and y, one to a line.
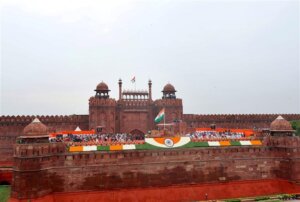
12	126
248	121
45	168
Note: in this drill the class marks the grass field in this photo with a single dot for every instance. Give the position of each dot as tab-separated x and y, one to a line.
4	193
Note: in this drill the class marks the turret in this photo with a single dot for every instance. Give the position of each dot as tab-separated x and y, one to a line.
281	127
34	154
102	90
169	92
35	132
172	105
150	89
120	89
102	109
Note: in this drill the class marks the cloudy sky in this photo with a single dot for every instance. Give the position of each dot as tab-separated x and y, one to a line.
221	56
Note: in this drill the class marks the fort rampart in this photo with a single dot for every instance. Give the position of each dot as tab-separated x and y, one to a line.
12	126
249	121
41	169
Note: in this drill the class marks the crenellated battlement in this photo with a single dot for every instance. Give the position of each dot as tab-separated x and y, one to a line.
168	102
134	103
42	168
14	125
60	156
238	117
63	171
291	142
235	120
156	156
94	101
38	149
11	120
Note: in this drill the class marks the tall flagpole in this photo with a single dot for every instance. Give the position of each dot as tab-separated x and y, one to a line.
164	120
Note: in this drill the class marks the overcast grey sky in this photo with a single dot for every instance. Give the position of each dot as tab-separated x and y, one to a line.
221	56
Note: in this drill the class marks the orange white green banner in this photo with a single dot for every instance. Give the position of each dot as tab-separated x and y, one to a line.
166	143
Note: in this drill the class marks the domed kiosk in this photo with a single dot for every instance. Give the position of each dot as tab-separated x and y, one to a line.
169	92
35	132
281	127
102	90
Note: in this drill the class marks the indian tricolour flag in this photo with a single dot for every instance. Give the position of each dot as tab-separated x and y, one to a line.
133	79
160	116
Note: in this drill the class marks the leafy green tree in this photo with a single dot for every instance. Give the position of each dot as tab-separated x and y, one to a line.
296	126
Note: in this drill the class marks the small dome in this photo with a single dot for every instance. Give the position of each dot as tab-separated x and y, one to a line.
280	124
102	87
35	128
169	88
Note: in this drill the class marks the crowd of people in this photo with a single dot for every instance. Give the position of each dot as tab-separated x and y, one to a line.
123	138
214	135
99	139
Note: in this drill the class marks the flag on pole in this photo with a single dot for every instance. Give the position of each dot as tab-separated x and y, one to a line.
133	80
160	116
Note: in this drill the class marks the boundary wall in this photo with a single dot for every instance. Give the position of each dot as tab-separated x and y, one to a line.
43	169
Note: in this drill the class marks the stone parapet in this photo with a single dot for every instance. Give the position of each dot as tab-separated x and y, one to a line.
43	168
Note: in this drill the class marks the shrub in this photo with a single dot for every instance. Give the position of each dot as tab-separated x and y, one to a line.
262	198
233	200
287	196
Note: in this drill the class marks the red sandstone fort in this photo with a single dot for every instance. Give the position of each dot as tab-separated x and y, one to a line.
150	168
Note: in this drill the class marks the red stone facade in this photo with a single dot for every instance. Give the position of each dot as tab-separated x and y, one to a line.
248	121
12	127
43	169
132	112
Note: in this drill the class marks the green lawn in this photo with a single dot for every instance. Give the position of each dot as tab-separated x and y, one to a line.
4	193
268	198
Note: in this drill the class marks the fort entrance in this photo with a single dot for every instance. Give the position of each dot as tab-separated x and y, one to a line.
134	111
